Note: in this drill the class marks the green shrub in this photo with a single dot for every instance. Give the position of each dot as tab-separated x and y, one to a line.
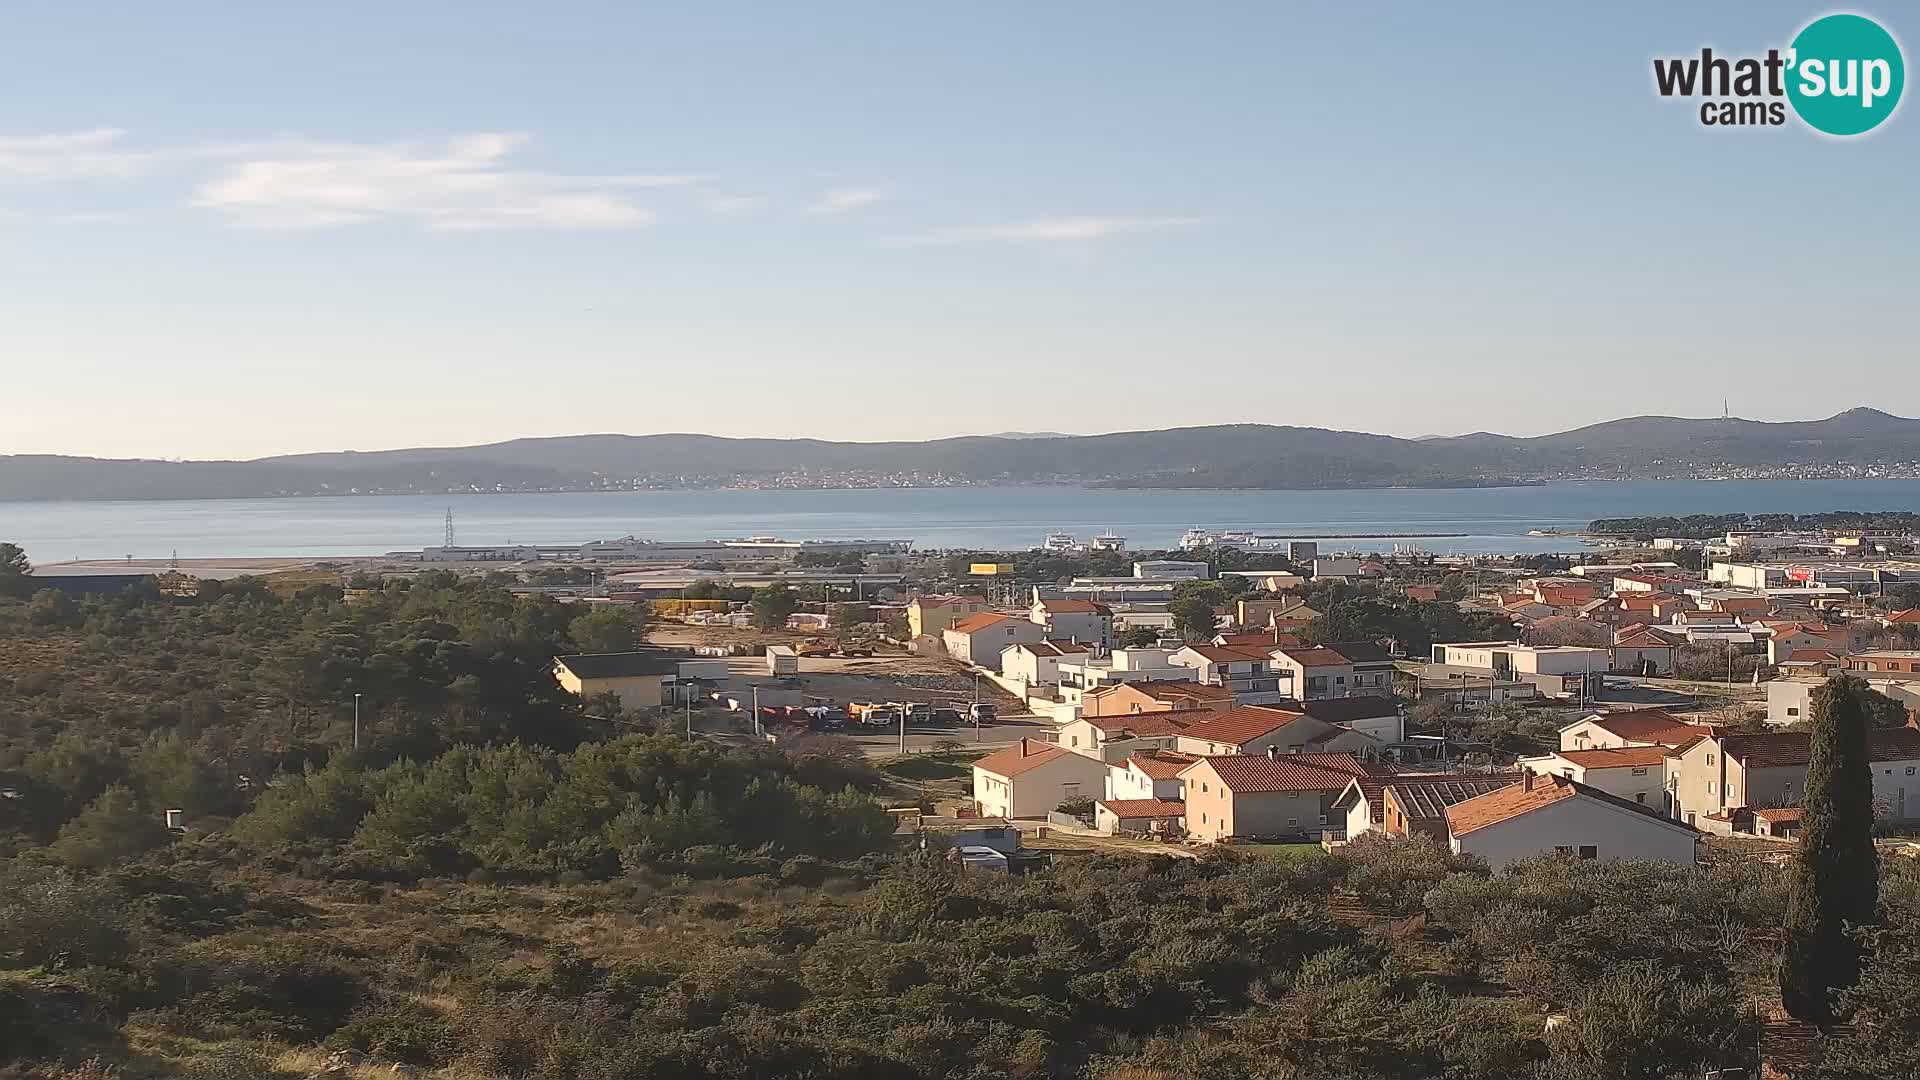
54	918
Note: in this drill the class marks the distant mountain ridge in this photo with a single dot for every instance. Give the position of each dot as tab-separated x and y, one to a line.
1226	456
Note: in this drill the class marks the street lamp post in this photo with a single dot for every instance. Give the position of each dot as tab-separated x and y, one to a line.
356	721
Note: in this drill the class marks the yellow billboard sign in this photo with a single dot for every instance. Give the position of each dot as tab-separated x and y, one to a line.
992	569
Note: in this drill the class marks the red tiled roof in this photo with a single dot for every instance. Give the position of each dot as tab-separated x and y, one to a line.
1778	813
1320	656
1907	615
1174	689
1649	725
1242	725
1221	654
1616	757
1052	648
1516	799
1245	774
1147	724
1818	656
1075	607
1777	749
1161	764
1145	808
1024	756
974	623
1423	592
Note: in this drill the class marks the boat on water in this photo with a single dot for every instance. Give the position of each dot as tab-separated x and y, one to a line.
1060	542
1109	541
1238	539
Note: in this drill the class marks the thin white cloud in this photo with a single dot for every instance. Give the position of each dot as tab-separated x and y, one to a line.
736	205
464	183
1041	231
71	155
841	200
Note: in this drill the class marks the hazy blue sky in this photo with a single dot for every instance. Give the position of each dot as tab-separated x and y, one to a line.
233	230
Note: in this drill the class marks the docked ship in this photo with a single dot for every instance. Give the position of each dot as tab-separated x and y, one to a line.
630	549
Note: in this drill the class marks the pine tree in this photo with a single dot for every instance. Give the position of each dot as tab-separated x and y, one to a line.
1835	882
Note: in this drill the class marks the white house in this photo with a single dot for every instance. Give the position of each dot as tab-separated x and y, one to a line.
1113	738
1545	815
1255	729
1376	717
1148	774
978	639
1075	620
1247	672
1037	663
1638	727
1030	779
1637	774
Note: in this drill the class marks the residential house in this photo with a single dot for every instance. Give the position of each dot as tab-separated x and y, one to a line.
1256	640
979	639
1903	617
1258	729
1081	677
1725	771
1148	774
1248	673
1641	650
1786	638
1259	795
1282	615
1635	773
1380	718
1778	822
933	614
1418	807
1552	814
1790	696
1153	695
1030	779
636	678
1336	670
1113	738
1637	727
1893	662
931	831
1075	620
1426	594
1152	817
1037	663
1556	670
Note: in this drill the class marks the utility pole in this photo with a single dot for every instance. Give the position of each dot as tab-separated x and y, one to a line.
974	710
756	710
689	715
903	729
356	720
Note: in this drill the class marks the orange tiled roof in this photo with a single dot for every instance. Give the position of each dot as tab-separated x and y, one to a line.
1022	757
1161	764
1254	774
1147	724
1616	757
975	623
1241	725
1145	808
1524	798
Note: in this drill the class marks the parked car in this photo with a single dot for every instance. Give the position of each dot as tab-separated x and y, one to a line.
983	713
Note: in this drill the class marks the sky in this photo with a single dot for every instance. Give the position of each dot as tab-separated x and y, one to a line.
236	230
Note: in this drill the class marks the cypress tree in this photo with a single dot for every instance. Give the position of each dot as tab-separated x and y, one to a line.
1835	876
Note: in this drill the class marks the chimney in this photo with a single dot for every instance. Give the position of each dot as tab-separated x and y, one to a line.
1273	753
1526	780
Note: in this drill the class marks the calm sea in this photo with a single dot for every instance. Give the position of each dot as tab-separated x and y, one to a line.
1489	519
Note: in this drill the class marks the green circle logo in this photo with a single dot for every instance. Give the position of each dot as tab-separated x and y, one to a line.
1845	74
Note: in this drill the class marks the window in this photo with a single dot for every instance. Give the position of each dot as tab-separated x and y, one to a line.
1909	770
1562	849
1709	759
1709	787
1640	771
1640	797
1203	819
1793	710
1588	851
1073	740
1293	823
